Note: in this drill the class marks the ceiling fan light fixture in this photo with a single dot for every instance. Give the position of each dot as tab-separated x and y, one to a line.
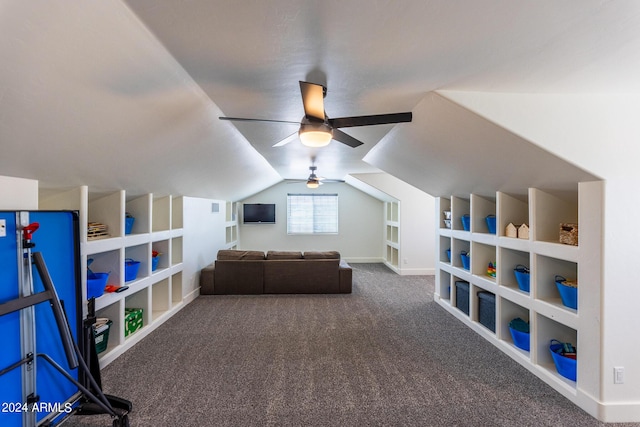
313	183
315	135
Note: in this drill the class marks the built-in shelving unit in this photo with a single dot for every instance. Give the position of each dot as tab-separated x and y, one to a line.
545	256
392	235
157	226
231	225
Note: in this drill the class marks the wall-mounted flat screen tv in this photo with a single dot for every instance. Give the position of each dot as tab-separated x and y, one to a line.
259	213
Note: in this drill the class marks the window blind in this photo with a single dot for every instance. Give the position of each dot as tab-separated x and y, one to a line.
312	213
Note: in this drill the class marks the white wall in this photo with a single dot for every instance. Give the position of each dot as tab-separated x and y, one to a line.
417	222
203	236
360	224
18	193
599	133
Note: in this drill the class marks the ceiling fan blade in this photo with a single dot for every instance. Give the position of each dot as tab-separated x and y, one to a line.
287	140
241	119
340	136
378	119
313	100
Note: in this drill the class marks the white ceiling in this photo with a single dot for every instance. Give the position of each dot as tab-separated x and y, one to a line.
128	94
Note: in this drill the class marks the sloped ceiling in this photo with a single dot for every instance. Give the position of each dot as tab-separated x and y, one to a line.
453	151
128	94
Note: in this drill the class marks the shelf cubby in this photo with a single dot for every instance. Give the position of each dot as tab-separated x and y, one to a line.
160	299
161	246
139	299
444	286
546	269
140	209
481	208
508	260
116	331
176	288
177	220
392	256
509	311
481	256
161	218
107	209
393	214
458	246
176	250
512	209
107	262
445	244
455	297
231	233
459	207
546	330
549	211
141	254
445	205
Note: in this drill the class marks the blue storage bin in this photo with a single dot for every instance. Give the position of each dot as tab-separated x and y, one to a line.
487	310
462	296
568	294
154	263
491	223
96	283
128	224
519	330
448	251
566	366
523	277
466	222
464	256
131	269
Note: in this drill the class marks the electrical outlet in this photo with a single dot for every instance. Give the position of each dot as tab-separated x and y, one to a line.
618	375
3	227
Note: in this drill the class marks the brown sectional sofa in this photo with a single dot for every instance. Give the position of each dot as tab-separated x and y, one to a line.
277	272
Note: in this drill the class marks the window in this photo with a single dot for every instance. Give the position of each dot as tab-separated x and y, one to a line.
312	214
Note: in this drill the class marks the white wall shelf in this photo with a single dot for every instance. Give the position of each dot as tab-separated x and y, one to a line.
392	235
542	253
158	227
231	225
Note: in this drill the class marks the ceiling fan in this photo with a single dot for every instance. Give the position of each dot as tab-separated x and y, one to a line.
317	129
314	181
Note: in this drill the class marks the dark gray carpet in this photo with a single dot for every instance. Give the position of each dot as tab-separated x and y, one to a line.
386	355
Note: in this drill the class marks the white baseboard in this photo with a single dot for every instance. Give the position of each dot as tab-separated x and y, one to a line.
417	271
191	295
362	260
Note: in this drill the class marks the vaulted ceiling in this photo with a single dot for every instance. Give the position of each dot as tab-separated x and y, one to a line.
127	94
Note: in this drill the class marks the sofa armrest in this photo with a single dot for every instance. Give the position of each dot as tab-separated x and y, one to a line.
346	277
207	280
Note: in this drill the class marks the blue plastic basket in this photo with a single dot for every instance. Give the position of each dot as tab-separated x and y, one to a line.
523	277
128	224
448	251
491	223
464	256
154	263
95	284
131	269
568	294
566	366
466	222
520	339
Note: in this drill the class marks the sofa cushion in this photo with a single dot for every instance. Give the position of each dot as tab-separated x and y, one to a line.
234	255
284	255
301	276
322	255
240	277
